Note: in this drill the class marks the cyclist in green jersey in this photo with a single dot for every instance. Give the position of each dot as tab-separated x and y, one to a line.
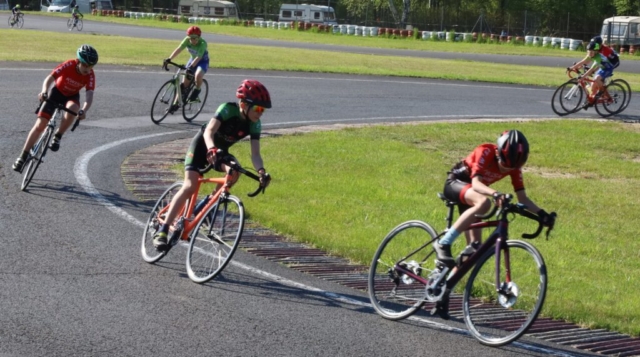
231	122
75	13
198	63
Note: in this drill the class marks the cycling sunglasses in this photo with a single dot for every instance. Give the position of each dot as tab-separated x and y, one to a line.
258	109
194	37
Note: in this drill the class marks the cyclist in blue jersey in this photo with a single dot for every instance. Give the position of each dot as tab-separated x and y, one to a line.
604	62
198	63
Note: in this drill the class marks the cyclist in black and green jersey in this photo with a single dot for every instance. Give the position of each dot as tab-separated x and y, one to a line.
75	13
198	63
231	122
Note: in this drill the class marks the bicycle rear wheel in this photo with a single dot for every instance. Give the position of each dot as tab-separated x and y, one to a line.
393	294
191	109
35	157
79	25
70	23
567	98
149	253
613	102
163	101
496	319
627	88
215	239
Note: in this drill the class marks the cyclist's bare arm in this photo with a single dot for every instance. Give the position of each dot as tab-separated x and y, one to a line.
175	53
88	100
212	128
256	158
525	200
48	82
480	187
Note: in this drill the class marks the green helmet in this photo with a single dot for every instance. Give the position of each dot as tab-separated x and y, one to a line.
17	6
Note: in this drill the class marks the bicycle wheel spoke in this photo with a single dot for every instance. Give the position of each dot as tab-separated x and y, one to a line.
147	250
499	318
215	240
163	101
393	293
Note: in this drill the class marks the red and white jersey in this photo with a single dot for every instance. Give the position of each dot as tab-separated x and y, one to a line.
69	82
484	163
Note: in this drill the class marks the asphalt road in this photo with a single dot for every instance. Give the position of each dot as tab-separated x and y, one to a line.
71	278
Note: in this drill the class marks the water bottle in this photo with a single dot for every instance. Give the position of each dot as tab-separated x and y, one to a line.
201	205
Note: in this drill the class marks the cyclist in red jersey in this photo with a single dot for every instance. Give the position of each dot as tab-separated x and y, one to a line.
468	185
63	85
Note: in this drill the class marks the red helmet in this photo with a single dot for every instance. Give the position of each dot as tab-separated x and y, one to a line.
513	149
254	92
194	30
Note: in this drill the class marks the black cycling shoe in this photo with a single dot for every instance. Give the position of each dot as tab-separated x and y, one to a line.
442	307
19	164
55	144
443	253
160	241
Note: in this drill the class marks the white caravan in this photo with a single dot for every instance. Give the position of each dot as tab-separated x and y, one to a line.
308	13
208	8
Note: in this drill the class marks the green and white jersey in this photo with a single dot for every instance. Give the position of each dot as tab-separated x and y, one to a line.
197	50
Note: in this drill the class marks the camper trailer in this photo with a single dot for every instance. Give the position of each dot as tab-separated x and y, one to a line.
308	13
4	5
621	30
85	6
208	8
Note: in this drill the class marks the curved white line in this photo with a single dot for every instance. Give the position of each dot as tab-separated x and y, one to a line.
81	173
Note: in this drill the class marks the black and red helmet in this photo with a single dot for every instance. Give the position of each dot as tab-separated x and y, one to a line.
194	30
513	149
254	92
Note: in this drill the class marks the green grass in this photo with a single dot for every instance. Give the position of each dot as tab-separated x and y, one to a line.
57	47
343	191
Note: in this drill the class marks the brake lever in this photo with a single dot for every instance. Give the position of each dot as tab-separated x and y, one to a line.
553	218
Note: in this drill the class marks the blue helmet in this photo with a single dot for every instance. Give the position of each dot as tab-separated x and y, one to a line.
87	55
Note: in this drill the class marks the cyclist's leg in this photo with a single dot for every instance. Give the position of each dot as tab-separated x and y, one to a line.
203	66
224	168
67	121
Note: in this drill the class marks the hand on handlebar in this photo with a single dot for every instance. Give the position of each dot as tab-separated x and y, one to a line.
499	198
212	155
265	179
42	97
165	64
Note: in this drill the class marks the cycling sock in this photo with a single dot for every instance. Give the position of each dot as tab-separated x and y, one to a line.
24	155
164	228
58	135
449	237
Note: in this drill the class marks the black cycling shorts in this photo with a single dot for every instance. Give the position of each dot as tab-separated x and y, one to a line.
196	158
46	110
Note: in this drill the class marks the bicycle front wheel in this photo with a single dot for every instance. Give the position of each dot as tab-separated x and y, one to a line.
163	101
192	108
20	22
567	98
497	318
149	253
35	157
79	25
394	294
215	239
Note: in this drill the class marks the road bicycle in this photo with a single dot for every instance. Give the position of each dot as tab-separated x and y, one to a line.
211	229
171	93
568	97
502	296
19	21
39	149
78	24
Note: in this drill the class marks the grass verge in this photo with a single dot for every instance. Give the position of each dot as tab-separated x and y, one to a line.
57	47
343	191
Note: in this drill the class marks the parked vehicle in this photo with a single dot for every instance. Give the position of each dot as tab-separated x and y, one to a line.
208	8
308	13
85	6
621	30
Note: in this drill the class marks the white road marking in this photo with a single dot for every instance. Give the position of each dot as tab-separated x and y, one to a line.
82	176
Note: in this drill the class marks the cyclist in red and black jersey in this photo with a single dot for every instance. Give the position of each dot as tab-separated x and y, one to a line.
468	185
63	85
230	123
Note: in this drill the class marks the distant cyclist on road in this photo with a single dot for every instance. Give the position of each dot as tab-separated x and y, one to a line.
198	63
605	60
468	184
75	13
231	122
63	85
15	12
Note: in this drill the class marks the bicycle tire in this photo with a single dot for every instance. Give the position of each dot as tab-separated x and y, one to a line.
9	21
190	110
615	104
20	22
496	319
627	87
79	25
69	23
215	239
149	253
569	96
34	160
394	295
163	101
